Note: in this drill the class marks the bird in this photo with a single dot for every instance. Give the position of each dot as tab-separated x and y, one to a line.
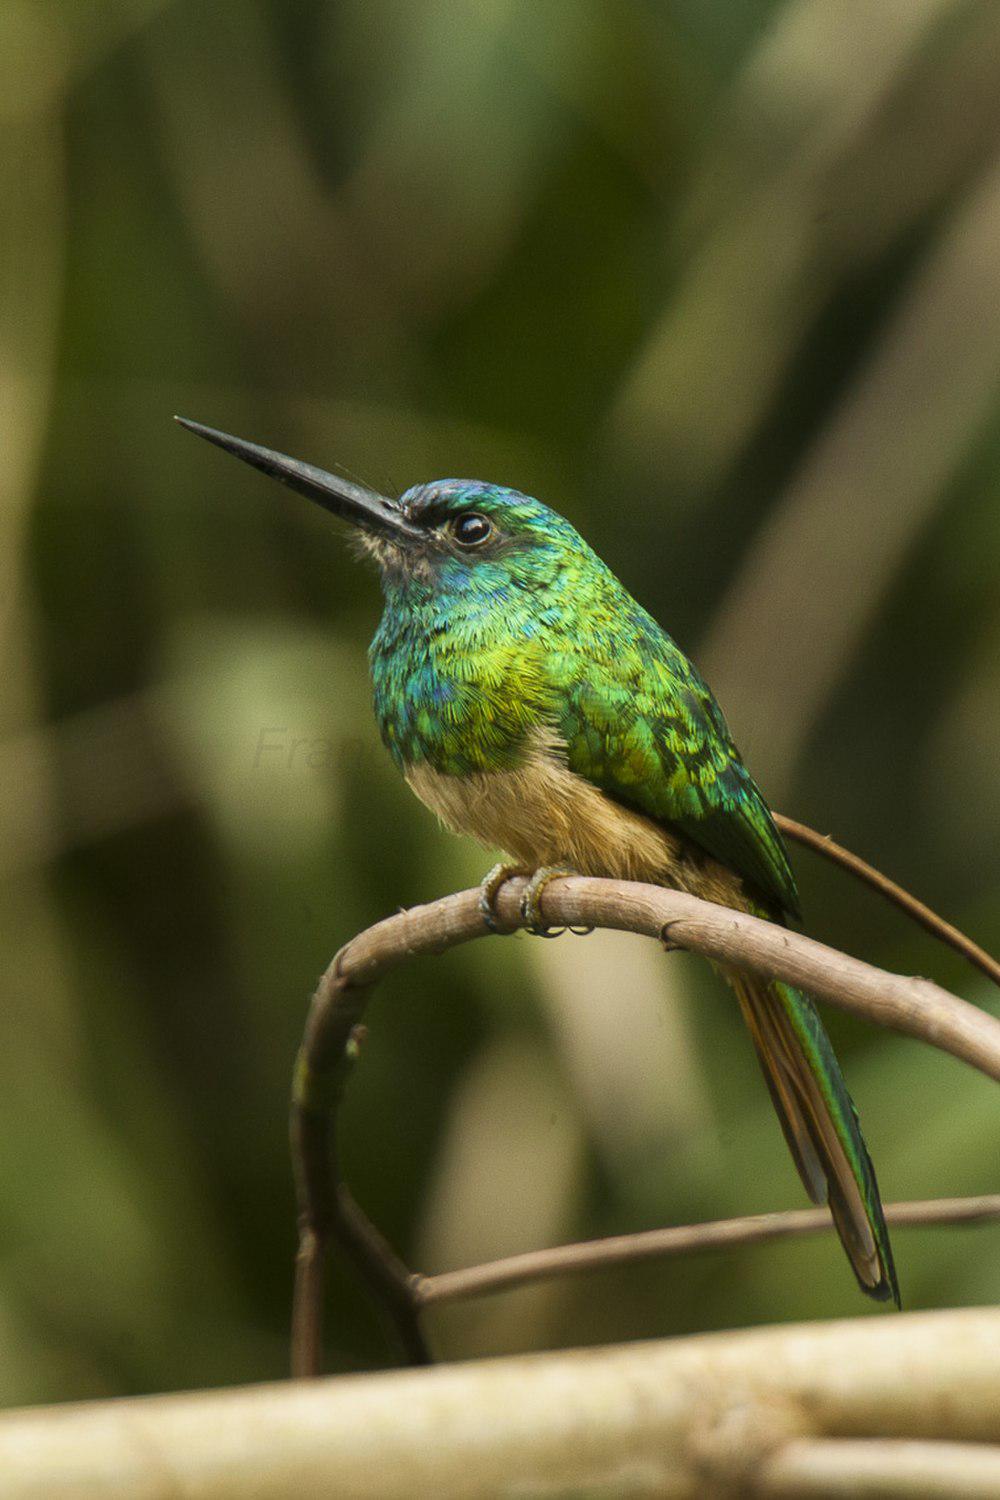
531	702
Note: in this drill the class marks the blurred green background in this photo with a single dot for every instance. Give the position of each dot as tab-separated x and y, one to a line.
721	282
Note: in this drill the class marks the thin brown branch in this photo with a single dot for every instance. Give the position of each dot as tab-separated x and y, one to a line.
326	1208
679	1239
327	1212
922	914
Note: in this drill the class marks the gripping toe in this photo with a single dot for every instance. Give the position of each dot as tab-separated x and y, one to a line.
531	901
489	889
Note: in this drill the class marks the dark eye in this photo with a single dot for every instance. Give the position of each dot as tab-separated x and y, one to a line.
471	529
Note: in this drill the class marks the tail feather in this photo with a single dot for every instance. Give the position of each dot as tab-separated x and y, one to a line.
820	1123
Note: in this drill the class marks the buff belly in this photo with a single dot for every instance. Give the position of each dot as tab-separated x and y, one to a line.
541	813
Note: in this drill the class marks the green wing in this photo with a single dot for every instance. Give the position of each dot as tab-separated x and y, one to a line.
640	722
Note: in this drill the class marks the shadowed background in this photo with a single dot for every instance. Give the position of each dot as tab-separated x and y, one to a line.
722	283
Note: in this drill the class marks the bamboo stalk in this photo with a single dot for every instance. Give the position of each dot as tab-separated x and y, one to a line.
756	1411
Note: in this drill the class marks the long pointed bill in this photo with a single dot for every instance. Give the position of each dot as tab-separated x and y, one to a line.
352	502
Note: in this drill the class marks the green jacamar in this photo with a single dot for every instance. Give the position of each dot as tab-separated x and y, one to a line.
531	702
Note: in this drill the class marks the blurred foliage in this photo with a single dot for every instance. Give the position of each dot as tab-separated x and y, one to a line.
720	282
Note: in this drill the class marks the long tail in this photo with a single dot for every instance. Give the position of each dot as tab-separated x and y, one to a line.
820	1123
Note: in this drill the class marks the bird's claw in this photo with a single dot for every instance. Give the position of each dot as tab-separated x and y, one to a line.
489	889
531	901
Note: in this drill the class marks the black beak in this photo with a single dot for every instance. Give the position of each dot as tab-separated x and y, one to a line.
349	501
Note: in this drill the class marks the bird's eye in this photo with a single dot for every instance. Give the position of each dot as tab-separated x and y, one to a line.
471	529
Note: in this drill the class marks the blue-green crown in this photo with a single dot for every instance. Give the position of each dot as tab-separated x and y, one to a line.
509	508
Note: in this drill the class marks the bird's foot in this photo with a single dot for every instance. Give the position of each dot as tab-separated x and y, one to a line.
489	889
531	901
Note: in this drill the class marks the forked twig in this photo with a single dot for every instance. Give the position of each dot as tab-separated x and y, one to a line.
913	1006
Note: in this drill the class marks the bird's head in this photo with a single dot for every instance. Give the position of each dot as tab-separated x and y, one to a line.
451	534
